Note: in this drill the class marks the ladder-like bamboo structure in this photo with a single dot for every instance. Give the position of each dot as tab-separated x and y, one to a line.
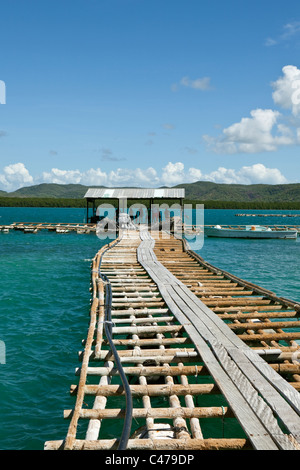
197	346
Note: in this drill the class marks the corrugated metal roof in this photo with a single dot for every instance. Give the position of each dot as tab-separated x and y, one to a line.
135	193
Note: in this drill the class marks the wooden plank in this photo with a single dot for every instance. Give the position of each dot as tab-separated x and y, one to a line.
292	396
261	408
276	401
195	307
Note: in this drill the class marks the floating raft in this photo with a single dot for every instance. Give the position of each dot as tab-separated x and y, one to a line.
191	358
59	227
267	215
67	227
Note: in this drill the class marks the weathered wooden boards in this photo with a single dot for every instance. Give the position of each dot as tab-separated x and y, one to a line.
240	373
247	370
168	312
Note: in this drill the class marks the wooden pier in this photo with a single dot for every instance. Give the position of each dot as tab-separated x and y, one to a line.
181	355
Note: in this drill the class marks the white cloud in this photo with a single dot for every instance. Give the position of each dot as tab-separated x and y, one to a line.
94	176
287	89
174	173
264	130
133	177
15	176
194	175
97	177
254	174
259	133
289	31
253	134
62	176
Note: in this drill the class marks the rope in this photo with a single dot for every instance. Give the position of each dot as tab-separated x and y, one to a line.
108	331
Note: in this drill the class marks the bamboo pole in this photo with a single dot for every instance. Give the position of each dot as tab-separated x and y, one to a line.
152	390
161	353
247	315
156	413
143	381
99	404
149	371
157	444
270	336
167	359
70	439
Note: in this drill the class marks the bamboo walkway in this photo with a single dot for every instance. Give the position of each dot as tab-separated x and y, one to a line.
211	362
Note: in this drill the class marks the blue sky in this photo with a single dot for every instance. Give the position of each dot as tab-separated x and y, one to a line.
148	92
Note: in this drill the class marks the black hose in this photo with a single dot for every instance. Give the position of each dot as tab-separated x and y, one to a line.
108	331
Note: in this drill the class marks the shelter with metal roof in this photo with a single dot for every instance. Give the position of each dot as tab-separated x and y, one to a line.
122	195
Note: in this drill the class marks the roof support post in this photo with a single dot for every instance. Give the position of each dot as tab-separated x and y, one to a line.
87	211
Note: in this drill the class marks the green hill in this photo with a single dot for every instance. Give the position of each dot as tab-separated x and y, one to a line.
199	191
50	190
207	191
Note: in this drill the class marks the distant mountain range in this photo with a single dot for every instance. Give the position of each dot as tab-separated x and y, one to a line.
207	191
69	191
201	191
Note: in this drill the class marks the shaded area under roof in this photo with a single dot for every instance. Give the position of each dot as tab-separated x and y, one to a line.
134	193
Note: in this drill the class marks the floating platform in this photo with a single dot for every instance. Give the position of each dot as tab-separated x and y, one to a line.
59	227
181	355
267	215
67	227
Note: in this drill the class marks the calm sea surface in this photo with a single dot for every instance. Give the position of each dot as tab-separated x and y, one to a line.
44	308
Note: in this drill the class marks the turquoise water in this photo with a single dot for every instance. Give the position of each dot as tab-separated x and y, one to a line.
44	309
273	264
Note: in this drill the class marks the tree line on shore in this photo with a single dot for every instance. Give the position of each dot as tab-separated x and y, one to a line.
79	202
